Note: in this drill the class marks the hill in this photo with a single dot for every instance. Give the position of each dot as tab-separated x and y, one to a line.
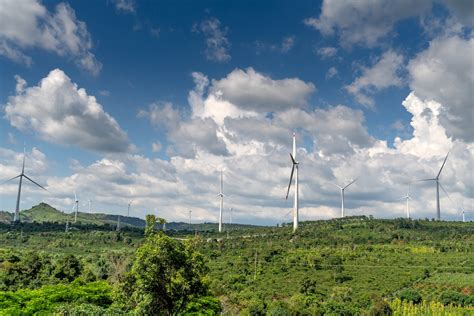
45	213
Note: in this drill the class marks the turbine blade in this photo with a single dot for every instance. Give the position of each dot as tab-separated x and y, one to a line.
292	159
336	185
424	180
442	165
11	179
291	179
350	183
35	183
442	187
24	155
75	196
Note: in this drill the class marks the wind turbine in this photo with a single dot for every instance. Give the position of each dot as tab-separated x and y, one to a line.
75	206
231	209
22	175
221	206
190	217
407	197
463	216
438	184
90	206
294	170
343	189
118	223
128	210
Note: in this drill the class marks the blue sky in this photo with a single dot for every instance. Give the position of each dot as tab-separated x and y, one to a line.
355	80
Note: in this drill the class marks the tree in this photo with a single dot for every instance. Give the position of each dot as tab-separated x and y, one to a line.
68	268
166	275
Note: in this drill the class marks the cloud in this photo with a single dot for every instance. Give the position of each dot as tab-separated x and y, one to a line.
444	73
333	145
287	44
332	72
155	32
326	52
60	112
217	44
364	22
125	6
187	135
29	25
463	10
383	74
254	91
156	147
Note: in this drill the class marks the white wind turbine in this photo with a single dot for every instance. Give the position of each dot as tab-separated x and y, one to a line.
128	210
75	206
438	184
407	198
221	206
294	170
22	175
463	216
343	189
90	206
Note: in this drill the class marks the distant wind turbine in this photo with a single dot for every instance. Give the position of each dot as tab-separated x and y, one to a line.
438	184
463	216
75	206
343	189
407	197
90	206
221	206
128	210
22	175
190	217
294	170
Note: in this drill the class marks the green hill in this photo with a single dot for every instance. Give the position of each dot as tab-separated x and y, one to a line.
45	213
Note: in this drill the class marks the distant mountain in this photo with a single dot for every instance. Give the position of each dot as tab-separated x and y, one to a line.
43	213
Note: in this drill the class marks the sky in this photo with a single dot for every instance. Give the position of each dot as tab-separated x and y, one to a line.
146	101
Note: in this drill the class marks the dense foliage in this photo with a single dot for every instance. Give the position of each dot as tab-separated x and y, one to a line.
347	266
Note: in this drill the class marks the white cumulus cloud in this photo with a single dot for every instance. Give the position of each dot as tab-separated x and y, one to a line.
27	24
60	112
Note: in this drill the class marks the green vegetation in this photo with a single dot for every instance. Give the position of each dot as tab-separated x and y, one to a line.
348	266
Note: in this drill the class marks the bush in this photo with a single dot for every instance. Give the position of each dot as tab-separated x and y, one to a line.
452	297
380	308
410	295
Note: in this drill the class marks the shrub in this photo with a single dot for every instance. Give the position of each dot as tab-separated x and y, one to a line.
410	295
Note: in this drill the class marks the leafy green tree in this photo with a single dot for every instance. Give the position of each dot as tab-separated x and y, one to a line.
166	275
67	268
150	225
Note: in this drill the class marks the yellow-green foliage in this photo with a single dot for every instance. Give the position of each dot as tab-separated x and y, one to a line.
403	308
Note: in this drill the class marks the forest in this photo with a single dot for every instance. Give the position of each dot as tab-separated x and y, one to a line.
351	266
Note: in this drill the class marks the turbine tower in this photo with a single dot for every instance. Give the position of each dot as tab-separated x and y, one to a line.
463	216
90	206
294	170
438	184
221	206
76	206
343	189
128	210
22	175
407	197
190	217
